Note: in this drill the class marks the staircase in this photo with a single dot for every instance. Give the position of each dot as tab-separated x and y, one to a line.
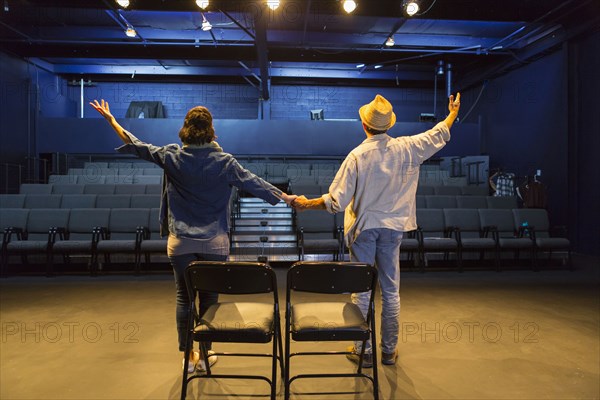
263	232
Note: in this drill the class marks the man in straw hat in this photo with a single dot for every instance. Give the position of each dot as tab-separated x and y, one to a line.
376	186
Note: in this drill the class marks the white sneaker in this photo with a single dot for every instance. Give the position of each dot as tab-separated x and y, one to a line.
212	359
197	363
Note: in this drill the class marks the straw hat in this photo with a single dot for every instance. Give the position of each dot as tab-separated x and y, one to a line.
378	114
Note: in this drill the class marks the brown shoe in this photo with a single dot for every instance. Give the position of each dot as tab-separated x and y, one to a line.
389	358
355	357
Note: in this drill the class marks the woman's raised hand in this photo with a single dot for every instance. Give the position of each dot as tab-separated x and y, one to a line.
102	107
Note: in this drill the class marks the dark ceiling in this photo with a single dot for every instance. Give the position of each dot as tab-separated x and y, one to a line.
303	41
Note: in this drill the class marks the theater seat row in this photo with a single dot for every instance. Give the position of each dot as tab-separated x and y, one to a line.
90	188
81	232
113	179
493	231
79	201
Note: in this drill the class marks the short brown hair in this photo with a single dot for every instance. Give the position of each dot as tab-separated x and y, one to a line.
197	127
373	131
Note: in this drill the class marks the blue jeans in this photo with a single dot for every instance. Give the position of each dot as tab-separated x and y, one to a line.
381	247
179	264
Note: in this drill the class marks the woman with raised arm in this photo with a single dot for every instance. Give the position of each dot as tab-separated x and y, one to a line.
194	211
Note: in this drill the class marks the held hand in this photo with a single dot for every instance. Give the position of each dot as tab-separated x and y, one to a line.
288	198
102	108
454	104
300	203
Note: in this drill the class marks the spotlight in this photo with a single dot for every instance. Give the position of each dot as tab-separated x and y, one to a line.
206	26
123	3
378	66
360	65
349	6
6	8
273	4
390	42
411	7
202	3
440	68
130	32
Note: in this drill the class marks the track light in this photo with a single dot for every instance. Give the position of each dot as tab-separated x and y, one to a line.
360	65
411	7
130	32
202	3
273	4
349	6
377	66
123	3
439	70
206	26
390	42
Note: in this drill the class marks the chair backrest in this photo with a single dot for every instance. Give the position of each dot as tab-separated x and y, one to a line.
466	219
474	190
119	179
123	222
331	277
431	221
12	200
153	189
62	179
154	223
42	201
508	202
152	171
78	201
99	188
305	189
84	220
91	179
471	201
421	202
440	201
447	190
35	188
95	164
13	217
501	218
230	277
40	221
113	200
145	201
130	189
148	179
315	221
67	188
535	217
424	190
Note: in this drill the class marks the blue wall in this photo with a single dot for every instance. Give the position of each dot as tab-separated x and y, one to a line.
235	101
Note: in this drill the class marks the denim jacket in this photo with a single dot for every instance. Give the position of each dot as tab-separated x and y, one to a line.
197	186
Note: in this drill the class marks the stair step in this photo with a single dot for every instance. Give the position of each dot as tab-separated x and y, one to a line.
262	216
258	246
257	230
269	221
256	238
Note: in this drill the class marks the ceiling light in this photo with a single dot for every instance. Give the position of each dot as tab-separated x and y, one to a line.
390	42
349	6
273	4
360	65
206	26
6	8
378	66
202	3
123	3
130	32
411	7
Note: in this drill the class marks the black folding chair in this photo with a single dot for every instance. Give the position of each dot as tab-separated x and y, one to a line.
326	320
228	321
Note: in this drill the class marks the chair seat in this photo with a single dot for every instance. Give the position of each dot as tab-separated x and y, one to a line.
439	243
478	243
154	245
409	244
552	243
21	246
515	243
72	246
321	244
119	246
328	321
233	322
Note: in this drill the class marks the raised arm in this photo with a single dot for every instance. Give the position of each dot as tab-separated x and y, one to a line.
453	107
104	110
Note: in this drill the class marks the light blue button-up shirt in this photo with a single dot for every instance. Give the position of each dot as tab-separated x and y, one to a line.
377	182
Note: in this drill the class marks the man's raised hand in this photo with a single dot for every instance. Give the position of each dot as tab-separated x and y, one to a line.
454	104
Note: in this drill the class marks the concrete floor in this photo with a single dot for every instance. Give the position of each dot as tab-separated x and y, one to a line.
476	335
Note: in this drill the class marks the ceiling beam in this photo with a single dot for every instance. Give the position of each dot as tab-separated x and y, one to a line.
262	51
